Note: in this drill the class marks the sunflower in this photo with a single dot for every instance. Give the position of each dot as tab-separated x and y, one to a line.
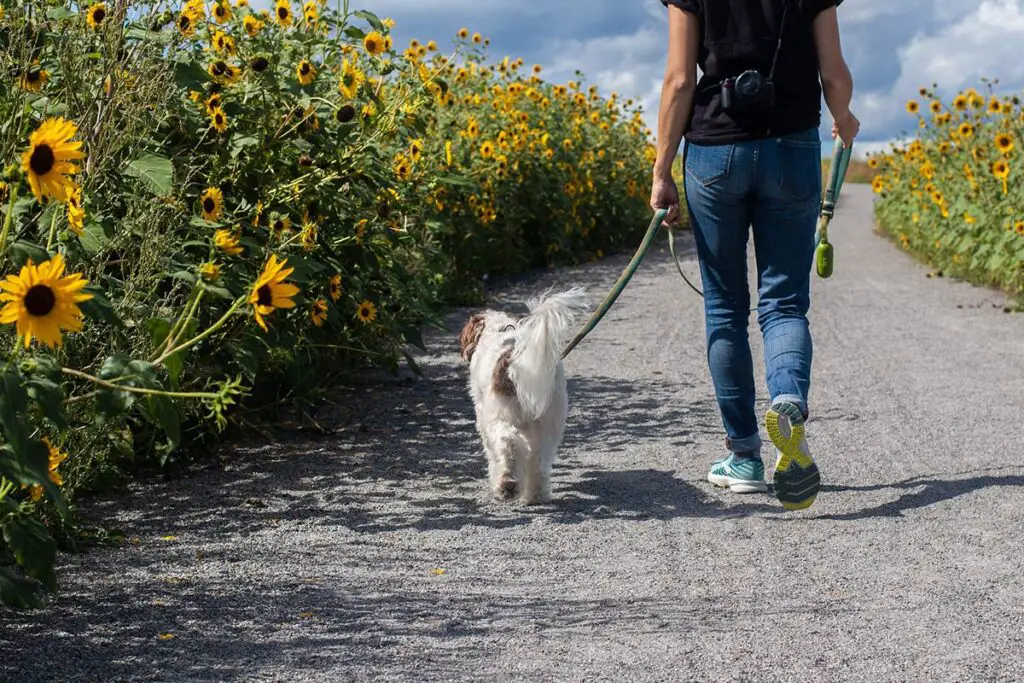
279	225
270	292
223	72
487	149
345	113
42	302
213	103
55	457
228	242
223	43
368	112
212	203
960	103
966	129
373	43
403	169
334	287
351	79
477	38
210	271
35	79
310	12
1004	143
994	106
47	161
95	15
308	236
305	72
76	213
366	312
259	63
283	13
1000	169
186	24
415	149
221	12
1018	227
318	312
219	120
877	184
463	33
252	25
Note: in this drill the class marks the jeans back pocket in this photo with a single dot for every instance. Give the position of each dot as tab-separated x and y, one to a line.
800	167
708	164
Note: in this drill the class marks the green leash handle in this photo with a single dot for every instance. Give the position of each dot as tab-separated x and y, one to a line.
824	253
620	284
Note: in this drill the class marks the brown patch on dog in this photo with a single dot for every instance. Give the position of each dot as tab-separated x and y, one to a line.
470	336
500	381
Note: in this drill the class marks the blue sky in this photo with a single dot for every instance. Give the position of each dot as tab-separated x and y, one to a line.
893	46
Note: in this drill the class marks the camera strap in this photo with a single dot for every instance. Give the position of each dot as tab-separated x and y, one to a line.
778	45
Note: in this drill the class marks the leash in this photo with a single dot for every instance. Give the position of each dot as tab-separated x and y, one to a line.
824	252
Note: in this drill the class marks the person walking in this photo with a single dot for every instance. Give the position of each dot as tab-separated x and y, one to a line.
752	164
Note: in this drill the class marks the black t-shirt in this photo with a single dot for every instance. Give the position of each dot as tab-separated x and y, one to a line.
737	35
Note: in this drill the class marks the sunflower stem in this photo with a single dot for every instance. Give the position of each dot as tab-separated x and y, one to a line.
199	337
8	219
5	488
137	390
181	324
53	230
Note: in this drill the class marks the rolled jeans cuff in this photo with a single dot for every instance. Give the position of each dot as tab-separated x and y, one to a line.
748	444
795	400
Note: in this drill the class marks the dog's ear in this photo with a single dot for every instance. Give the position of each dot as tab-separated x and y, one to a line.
470	336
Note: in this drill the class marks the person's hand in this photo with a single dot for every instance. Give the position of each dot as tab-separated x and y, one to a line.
846	128
665	195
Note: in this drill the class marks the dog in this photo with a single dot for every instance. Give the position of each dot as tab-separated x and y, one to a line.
517	383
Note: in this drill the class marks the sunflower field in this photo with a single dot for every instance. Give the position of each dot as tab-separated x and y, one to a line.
214	213
953	195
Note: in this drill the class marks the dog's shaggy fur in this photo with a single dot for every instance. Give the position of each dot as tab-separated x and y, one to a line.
517	383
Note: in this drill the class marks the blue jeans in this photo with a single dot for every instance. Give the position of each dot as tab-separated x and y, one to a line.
772	188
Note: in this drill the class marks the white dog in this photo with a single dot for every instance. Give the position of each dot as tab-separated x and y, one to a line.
517	383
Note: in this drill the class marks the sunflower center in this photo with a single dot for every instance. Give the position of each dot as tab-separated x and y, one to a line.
264	297
209	205
259	64
41	161
40	300
219	68
282	12
98	14
304	69
32	76
346	113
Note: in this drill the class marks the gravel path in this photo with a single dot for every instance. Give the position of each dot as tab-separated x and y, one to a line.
375	554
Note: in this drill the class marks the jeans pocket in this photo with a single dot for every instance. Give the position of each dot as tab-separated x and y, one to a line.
800	168
708	164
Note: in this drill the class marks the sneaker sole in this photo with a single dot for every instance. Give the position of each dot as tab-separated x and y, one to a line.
737	485
796	479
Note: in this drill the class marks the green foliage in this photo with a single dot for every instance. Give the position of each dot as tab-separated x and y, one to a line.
259	211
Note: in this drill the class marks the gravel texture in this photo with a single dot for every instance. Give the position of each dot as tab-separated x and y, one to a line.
374	553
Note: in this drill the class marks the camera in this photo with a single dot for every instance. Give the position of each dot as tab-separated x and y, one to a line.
749	90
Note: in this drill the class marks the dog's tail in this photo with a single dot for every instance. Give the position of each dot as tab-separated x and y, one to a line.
538	349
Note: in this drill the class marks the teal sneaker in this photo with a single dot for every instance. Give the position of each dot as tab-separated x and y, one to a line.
796	479
739	475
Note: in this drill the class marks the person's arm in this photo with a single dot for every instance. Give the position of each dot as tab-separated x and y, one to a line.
836	79
678	86
674	111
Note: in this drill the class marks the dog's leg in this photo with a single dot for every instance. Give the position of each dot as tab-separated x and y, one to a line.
501	455
535	486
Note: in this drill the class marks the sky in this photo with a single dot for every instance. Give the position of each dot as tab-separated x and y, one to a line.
893	47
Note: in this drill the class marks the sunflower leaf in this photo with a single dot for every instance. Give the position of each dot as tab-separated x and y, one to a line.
50	398
13	402
110	402
162	412
33	548
414	336
100	308
157	172
370	18
22	252
354	32
18	592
